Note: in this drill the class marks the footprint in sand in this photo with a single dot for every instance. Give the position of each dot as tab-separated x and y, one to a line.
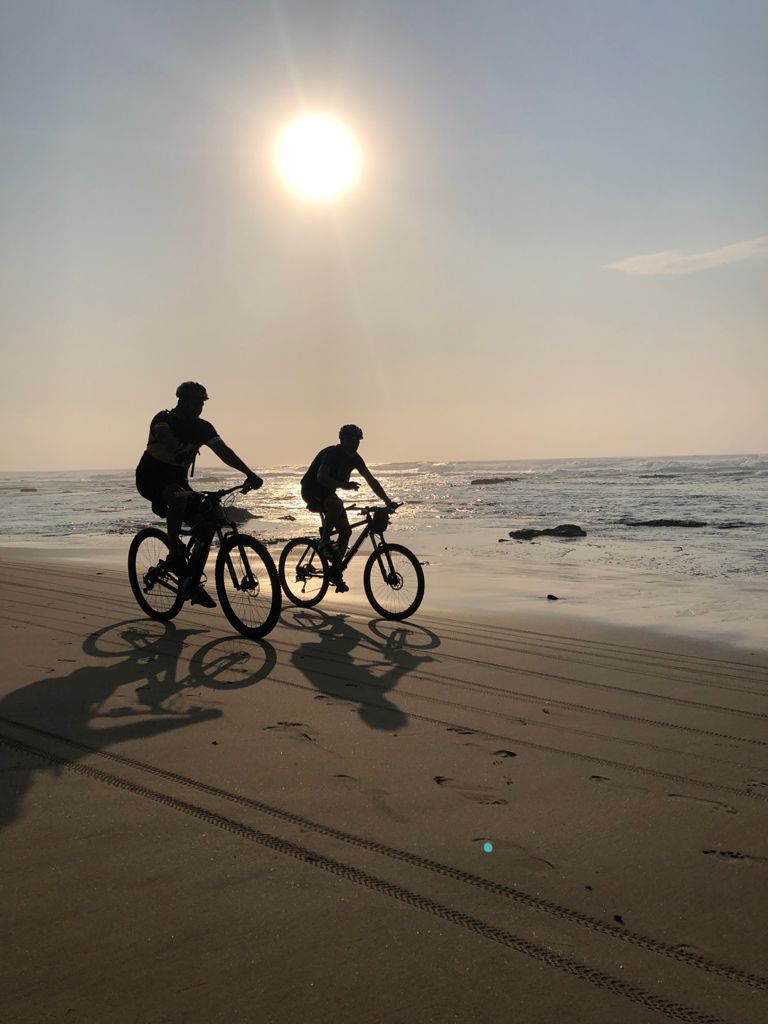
716	805
478	794
734	855
518	852
619	785
295	729
502	754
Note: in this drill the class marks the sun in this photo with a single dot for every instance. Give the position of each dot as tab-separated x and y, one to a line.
318	158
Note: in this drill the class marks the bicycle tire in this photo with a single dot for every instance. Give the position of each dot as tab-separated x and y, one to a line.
404	594
251	602
146	555
310	589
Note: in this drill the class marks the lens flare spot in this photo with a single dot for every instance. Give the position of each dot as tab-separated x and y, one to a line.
487	847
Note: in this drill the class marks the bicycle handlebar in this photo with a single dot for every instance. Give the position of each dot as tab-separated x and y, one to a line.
243	488
393	507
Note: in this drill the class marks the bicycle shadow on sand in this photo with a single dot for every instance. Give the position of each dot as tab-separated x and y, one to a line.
329	664
137	689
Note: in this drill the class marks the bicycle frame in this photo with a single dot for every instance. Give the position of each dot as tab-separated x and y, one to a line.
377	541
213	523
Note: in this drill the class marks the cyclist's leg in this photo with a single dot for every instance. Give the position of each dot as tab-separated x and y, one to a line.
315	500
336	519
168	500
175	497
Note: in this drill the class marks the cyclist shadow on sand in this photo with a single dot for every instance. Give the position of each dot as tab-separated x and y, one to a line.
328	662
137	694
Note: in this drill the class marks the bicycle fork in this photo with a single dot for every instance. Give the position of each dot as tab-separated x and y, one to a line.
384	558
248	581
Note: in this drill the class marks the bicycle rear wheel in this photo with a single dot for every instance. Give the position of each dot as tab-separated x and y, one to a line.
247	585
303	572
394	581
157	589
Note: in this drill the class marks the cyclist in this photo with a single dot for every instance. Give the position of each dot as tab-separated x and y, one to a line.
175	437
329	472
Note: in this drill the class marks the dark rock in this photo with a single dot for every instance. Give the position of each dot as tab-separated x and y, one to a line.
564	530
235	514
290	519
552	597
484	481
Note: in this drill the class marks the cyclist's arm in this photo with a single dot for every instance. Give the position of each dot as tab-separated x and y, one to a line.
325	479
231	458
375	486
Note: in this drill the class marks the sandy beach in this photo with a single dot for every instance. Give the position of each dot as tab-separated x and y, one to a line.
456	818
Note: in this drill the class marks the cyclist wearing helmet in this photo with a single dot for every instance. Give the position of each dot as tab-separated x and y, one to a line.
175	437
329	472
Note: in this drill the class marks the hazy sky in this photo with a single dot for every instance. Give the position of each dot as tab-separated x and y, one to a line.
558	246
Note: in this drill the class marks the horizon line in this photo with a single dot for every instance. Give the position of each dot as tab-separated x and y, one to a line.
754	453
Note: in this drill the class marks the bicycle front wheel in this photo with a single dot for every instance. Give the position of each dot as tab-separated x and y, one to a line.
247	585
156	588
394	581
303	572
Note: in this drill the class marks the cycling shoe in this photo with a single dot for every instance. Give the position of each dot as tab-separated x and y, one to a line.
178	564
202	597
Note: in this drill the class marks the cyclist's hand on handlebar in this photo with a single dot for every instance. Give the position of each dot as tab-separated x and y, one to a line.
393	505
253	483
353	485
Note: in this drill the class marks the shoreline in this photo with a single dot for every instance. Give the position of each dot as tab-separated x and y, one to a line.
459	583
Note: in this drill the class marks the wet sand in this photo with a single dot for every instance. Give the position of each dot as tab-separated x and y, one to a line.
520	818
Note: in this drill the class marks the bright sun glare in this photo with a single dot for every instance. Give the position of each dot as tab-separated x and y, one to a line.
317	157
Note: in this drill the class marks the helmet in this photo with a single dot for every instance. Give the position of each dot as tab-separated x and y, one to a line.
191	389
351	431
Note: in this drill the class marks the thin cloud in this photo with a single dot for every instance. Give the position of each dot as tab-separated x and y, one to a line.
675	262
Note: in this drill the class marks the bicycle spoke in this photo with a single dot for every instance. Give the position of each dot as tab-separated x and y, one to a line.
246	581
394	581
155	587
303	572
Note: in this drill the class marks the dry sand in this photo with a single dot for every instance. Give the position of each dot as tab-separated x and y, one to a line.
201	828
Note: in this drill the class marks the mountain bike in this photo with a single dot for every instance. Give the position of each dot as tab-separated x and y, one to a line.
247	583
393	578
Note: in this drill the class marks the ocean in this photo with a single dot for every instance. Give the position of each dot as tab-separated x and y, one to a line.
460	514
608	498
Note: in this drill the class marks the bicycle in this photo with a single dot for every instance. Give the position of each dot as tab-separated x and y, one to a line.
393	578
247	583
